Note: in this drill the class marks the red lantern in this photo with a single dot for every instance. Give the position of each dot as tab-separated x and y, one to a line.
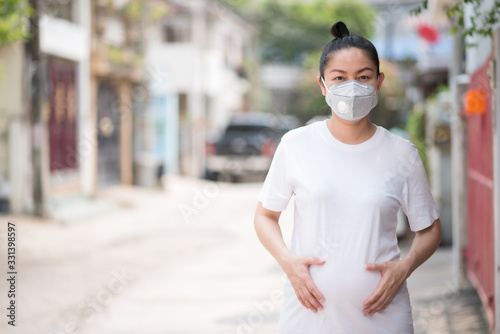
476	102
428	32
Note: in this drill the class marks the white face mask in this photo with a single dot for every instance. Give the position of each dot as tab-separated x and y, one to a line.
351	100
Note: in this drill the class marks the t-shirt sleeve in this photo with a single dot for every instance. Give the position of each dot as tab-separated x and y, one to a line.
417	201
277	190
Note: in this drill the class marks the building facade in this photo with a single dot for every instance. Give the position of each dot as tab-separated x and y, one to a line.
118	90
475	164
64	61
204	57
131	90
91	63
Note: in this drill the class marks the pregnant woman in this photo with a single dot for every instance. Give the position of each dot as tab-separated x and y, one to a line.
349	177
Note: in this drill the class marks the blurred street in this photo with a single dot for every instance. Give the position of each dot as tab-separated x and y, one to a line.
101	101
181	260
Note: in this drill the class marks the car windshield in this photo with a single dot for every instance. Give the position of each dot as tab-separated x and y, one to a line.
249	131
246	129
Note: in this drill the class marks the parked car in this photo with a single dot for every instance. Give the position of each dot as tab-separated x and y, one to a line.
247	145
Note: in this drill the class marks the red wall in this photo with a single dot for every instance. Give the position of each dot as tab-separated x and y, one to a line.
480	238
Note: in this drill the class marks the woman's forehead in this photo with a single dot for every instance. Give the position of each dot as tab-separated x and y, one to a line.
351	59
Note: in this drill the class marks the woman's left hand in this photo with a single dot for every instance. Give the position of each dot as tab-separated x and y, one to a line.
394	273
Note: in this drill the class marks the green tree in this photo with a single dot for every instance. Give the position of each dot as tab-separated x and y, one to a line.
482	21
13	23
289	30
415	127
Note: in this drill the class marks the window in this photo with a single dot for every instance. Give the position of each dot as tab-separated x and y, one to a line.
62	9
182	106
177	30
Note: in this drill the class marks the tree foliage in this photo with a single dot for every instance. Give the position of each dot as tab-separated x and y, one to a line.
483	17
415	127
13	15
288	30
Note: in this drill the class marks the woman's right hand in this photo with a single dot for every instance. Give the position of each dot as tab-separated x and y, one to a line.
297	270
296	267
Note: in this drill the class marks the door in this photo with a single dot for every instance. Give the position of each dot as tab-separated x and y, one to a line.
108	135
62	116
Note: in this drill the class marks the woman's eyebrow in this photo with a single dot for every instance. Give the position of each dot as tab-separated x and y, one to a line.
359	71
365	69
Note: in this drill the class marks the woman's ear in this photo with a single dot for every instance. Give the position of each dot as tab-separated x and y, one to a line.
381	78
323	89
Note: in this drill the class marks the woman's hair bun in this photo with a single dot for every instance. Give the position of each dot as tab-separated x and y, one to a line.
339	30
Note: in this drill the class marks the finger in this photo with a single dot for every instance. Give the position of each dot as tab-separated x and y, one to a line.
375	266
302	299
381	287
378	307
306	300
377	310
299	297
372	308
372	299
381	304
314	291
313	301
314	260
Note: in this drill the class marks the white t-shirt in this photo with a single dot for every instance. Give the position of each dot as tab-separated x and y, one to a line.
346	202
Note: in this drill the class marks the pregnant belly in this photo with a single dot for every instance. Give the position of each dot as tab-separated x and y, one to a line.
343	284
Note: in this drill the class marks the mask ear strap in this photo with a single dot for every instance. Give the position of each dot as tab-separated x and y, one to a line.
324	83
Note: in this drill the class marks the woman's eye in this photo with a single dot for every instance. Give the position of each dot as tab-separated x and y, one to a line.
364	77
338	78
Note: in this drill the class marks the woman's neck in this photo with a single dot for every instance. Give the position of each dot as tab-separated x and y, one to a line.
349	132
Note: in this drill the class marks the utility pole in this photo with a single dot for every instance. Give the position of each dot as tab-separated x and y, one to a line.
458	81
36	68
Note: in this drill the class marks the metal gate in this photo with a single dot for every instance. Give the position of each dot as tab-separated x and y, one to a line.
480	232
108	135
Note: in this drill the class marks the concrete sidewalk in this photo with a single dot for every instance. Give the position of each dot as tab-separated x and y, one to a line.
437	307
184	260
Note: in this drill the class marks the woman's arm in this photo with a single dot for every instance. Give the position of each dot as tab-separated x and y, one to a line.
295	267
394	273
